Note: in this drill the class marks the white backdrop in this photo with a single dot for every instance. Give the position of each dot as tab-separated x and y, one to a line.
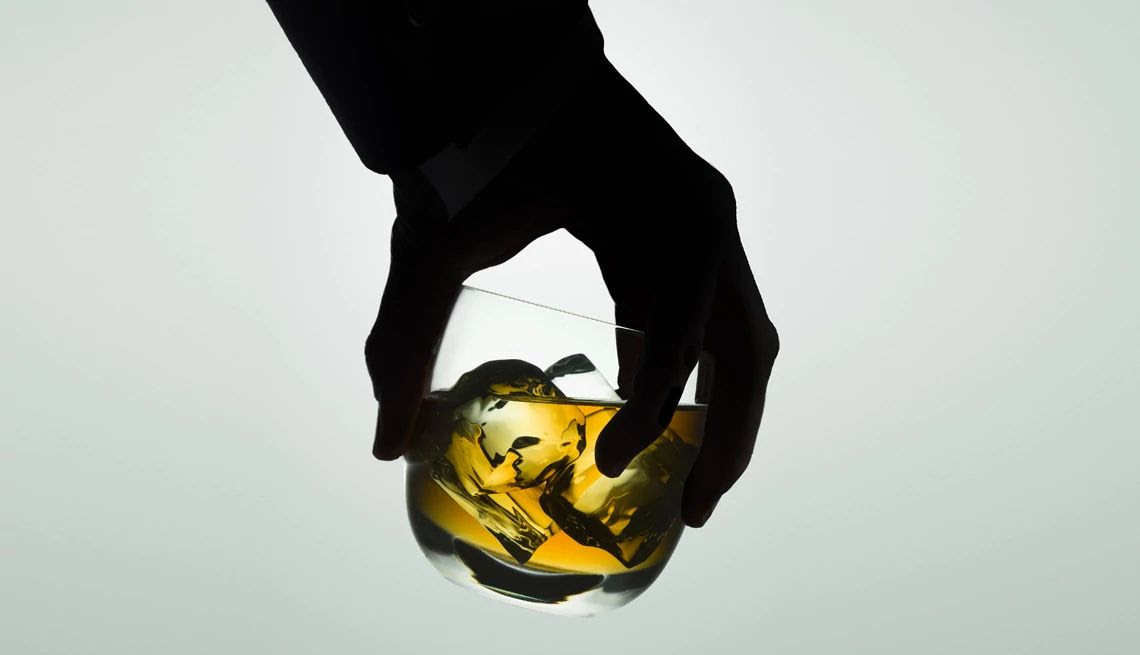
940	203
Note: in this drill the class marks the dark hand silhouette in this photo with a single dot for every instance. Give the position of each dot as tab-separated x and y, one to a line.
605	167
661	223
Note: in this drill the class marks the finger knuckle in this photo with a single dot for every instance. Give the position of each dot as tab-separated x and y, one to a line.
766	344
718	199
371	348
752	357
375	357
704	193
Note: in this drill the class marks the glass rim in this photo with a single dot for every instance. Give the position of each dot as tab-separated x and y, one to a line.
473	290
468	287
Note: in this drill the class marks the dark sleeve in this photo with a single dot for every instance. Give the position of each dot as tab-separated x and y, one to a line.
344	46
405	78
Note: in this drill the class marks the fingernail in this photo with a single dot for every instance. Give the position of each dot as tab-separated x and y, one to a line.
383	449
385	453
704	517
611	470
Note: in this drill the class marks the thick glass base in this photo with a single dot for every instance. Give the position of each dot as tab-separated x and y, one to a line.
552	591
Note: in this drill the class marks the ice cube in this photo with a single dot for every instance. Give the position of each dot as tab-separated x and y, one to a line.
578	378
503	434
515	519
627	516
524	442
504	377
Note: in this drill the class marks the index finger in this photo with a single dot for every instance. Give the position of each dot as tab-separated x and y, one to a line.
430	260
675	325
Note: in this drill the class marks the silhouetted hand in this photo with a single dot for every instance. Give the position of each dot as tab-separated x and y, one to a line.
662	225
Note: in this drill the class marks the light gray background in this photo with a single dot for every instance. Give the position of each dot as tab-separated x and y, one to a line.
940	202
